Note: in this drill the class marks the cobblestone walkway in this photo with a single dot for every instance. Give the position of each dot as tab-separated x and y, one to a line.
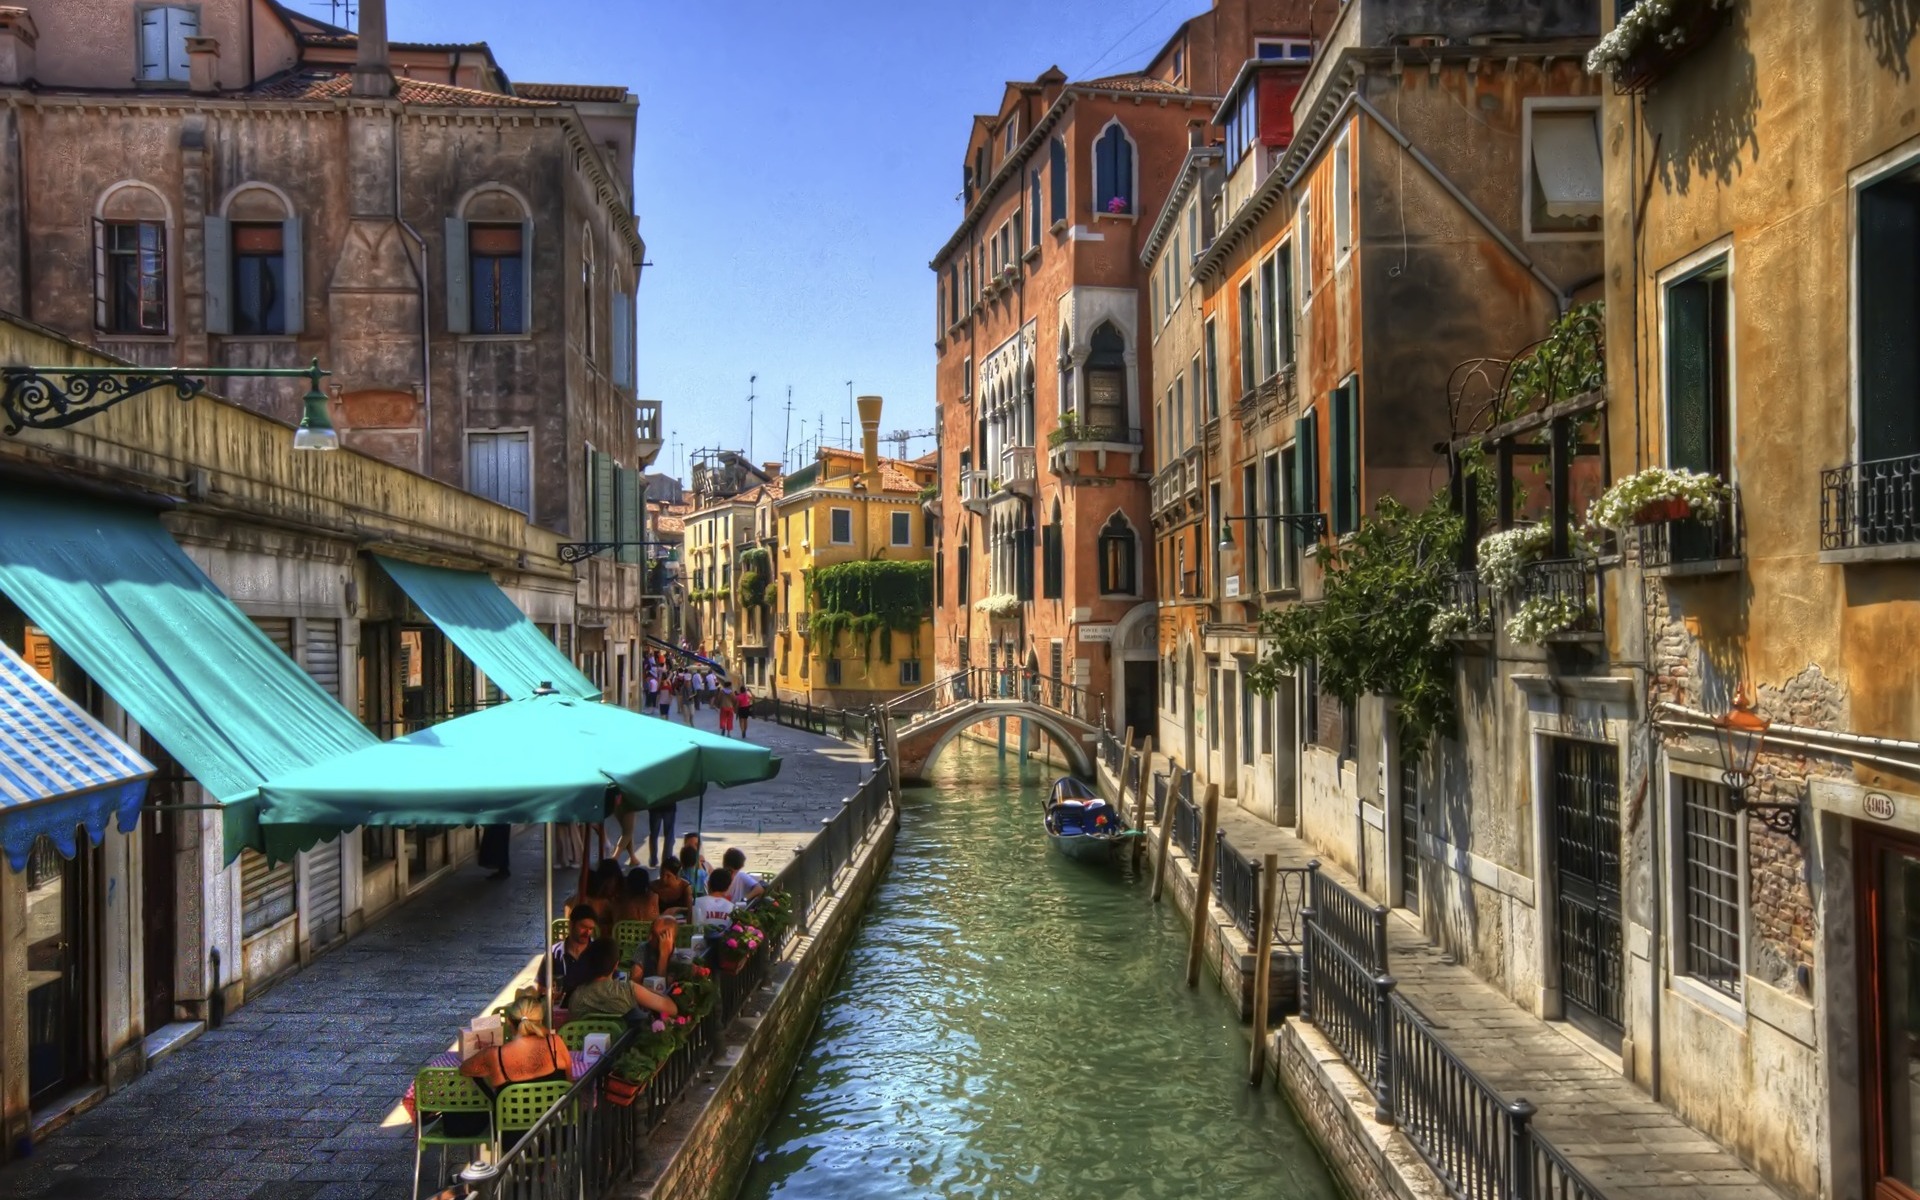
291	1098
1630	1145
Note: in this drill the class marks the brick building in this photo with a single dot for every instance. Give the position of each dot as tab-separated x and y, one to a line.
1044	360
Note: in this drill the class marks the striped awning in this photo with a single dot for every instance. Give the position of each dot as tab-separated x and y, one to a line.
60	770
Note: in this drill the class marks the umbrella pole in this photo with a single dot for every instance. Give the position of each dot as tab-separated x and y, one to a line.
546	930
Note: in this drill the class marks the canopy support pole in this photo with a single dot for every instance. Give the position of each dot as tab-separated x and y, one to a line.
546	931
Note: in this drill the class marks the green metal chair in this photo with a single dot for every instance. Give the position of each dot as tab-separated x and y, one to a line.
630	936
560	929
519	1107
574	1033
439	1091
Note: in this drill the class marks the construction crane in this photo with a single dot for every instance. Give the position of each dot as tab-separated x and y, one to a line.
900	438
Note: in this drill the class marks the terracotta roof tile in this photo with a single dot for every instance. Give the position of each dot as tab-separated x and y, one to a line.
584	93
327	85
1135	82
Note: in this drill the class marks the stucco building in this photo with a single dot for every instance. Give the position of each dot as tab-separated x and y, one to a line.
233	183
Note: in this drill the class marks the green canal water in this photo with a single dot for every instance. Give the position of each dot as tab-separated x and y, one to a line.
1011	1024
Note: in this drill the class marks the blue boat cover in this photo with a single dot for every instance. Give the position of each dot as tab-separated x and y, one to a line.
60	770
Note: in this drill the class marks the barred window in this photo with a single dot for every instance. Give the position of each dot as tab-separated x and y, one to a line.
1710	880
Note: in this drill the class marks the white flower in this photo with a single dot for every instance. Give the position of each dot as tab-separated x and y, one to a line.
1616	507
1503	555
1450	621
1000	604
1543	616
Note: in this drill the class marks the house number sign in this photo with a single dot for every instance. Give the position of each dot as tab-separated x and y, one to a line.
1878	805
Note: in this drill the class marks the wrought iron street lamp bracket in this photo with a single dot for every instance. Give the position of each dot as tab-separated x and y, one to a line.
573	552
53	397
1313	525
1780	818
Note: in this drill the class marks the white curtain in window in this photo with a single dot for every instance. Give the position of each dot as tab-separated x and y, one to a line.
1566	160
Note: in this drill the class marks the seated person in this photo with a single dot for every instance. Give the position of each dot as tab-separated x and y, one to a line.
532	1054
692	869
637	901
657	955
673	893
583	925
746	888
714	907
604	996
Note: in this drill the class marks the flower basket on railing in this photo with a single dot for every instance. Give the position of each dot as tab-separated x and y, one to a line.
738	942
771	914
1001	606
1651	37
1658	494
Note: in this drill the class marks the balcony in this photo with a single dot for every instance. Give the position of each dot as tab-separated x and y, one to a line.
1066	444
780	622
1270	400
1570	582
1018	474
1870	511
976	488
1474	605
1692	547
1178	482
646	415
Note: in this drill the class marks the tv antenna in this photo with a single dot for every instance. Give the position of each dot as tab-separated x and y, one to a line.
751	381
786	436
339	9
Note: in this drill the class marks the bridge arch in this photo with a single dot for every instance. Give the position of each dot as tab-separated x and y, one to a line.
1064	732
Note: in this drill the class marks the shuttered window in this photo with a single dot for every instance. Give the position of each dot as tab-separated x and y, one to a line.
254	278
489	277
164	31
266	892
600	503
130	277
1343	452
499	467
1698	371
1057	167
1306	474
627	491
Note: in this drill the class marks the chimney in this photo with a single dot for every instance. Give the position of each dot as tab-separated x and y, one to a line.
870	435
17	38
203	65
772	470
372	73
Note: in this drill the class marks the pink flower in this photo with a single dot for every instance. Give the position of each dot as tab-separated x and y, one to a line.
733	944
659	1026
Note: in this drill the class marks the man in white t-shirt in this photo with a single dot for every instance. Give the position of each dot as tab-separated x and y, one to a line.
714	907
745	888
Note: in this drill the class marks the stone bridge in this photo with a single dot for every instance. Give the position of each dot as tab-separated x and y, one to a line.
925	721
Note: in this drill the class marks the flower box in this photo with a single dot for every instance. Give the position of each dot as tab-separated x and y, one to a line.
1668	508
1652	37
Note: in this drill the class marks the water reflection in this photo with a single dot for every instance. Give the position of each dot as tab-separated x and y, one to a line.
1011	1024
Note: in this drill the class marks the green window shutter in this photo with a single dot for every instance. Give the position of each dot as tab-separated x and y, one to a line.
218	256
1688	397
459	293
294	276
1306	479
603	523
626	488
1343	452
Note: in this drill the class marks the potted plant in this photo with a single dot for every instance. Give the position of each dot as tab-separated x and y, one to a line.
737	942
1658	494
1117	205
1653	35
1504	556
1001	606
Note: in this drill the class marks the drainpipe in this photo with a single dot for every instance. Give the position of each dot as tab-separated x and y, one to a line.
420	280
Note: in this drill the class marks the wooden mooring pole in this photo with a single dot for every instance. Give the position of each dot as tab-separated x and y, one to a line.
1145	764
1166	833
1203	884
1263	965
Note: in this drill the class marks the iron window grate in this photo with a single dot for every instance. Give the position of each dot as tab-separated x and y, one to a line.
1710	866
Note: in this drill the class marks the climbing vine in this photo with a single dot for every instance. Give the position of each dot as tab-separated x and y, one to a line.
1369	634
869	596
756	569
1569	362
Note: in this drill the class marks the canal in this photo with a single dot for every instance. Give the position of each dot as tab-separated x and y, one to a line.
1011	1024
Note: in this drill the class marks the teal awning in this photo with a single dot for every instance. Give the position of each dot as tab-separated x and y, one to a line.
490	629
117	595
549	758
61	771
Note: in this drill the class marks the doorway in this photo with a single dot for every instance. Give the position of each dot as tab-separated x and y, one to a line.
1584	845
57	1002
1409	830
1890	1014
159	903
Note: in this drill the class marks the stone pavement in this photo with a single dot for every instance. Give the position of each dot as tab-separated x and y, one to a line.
1630	1145
296	1096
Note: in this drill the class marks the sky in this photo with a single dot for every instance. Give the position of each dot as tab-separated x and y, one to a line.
797	165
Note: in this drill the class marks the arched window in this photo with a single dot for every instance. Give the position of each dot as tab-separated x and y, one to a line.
130	281
1107	378
1113	171
1053	557
490	264
1057	164
1119	553
963	567
254	265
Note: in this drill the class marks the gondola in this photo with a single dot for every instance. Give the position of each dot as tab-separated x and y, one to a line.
1080	824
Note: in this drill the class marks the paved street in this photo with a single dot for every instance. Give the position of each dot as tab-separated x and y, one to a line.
296	1097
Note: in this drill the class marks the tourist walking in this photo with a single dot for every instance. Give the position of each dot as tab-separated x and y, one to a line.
743	708
723	702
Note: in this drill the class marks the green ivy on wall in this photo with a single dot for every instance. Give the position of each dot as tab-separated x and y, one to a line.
756	569
869	596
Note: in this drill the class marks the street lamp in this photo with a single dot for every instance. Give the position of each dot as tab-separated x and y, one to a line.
54	397
1314	525
1741	732
573	552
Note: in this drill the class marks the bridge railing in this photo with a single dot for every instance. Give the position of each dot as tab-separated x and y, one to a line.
1004	683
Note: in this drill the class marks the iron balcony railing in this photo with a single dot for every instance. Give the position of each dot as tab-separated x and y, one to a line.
1678	543
1573	582
1113	435
1186	818
1873	503
1474	599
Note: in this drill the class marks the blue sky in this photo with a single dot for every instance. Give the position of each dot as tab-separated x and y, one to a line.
797	165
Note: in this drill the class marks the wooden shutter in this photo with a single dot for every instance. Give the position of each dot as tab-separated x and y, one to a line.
279	631
1889	308
294	276
323	654
1343	451
1306	476
218	256
626	504
182	23
1057	164
459	289
622	334
102	286
497	468
526	277
153	44
324	926
603	519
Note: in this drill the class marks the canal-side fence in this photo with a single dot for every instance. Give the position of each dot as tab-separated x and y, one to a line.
1481	1145
585	1144
847	724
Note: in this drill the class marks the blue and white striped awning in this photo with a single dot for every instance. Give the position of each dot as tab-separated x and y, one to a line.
60	770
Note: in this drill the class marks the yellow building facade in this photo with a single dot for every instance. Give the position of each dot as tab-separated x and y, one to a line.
844	635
